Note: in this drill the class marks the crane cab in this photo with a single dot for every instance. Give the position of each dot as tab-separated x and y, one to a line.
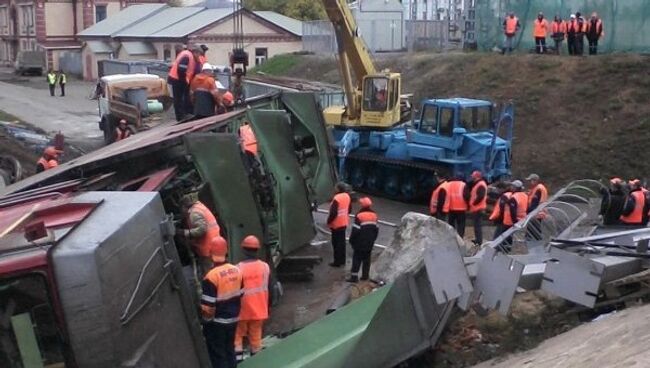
379	99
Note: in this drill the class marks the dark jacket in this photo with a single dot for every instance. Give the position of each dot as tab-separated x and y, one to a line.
611	206
364	231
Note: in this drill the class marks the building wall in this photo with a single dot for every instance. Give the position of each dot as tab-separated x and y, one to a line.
89	61
122	54
59	19
218	51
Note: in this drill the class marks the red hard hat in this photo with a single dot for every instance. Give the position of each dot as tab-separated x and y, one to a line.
476	174
365	202
218	249
51	151
251	242
228	98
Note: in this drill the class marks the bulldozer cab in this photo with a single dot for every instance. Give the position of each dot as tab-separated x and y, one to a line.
453	116
381	100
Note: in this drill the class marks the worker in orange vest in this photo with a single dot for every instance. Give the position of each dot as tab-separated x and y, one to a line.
438	199
457	196
580	28
571	32
255	298
594	31
201	229
49	159
499	210
248	139
635	209
220	308
537	194
362	239
180	76
337	221
510	27
540	30
122	130
203	93
558	32
477	204
517	206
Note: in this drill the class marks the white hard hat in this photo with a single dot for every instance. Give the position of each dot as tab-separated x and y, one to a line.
206	66
573	16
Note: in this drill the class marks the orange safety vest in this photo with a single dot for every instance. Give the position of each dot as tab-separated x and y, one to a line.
191	65
599	26
538	188
341	219
433	203
47	164
204	243
472	197
511	25
255	293
227	279
119	134
249	141
636	217
541	28
573	27
522	206
559	27
496	211
455	196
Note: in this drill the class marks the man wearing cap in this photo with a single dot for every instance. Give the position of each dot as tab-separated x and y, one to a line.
201	229
635	209
180	76
49	160
571	30
362	239
456	201
510	27
122	130
477	204
255	298
438	205
515	209
499	210
581	27
558	32
220	307
537	194
337	221
204	93
612	202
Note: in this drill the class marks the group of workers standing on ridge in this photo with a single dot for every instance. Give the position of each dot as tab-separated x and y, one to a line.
195	90
53	78
363	235
626	204
453	199
573	31
234	298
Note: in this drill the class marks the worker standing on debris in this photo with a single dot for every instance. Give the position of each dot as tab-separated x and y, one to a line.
510	27
122	130
613	200
594	33
248	139
220	307
255	298
438	205
457	196
203	93
49	159
51	81
581	27
516	208
558	29
540	30
338	221
180	75
202	229
499	210
478	204
635	208
537	194
572	30
362	239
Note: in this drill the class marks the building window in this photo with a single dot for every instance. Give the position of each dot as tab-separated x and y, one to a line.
261	55
100	13
167	54
3	17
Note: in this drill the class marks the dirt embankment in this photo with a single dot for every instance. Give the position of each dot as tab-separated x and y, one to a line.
575	117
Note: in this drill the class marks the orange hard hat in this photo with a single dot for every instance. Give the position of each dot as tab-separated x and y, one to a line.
51	151
250	242
365	202
228	98
218	249
476	174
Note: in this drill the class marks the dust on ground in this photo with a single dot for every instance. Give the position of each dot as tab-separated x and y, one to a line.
576	117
